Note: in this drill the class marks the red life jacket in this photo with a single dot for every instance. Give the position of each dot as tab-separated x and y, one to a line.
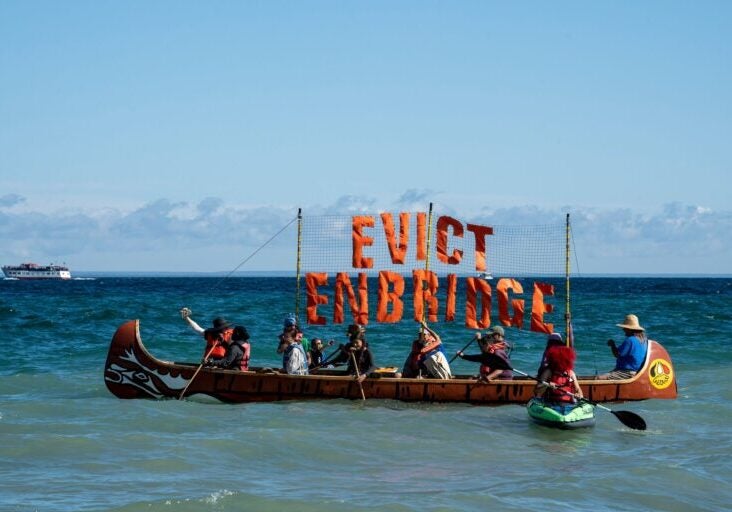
219	349
563	382
492	349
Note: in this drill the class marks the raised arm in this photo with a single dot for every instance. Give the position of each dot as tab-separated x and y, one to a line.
185	314
433	333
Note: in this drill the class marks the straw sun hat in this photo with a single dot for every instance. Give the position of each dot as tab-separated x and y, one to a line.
631	323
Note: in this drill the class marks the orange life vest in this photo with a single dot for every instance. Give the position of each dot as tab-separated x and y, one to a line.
212	340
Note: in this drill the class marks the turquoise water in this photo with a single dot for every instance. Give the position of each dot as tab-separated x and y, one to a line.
68	444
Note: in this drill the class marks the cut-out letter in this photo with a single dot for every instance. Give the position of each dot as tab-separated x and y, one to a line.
313	280
360	307
502	288
474	286
425	292
397	251
387	297
539	307
480	233
360	240
457	230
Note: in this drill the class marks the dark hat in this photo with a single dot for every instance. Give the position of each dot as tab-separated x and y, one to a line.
356	329
554	338
219	324
240	333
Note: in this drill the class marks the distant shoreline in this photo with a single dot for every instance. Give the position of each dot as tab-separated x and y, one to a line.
274	273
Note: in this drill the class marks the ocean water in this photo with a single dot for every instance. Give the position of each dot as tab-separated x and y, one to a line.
67	444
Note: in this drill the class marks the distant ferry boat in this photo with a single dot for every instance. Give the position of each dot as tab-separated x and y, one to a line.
33	271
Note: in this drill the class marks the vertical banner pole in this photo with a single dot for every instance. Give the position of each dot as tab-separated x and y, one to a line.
567	314
427	260
299	254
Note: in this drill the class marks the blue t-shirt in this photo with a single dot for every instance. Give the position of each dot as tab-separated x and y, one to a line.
631	354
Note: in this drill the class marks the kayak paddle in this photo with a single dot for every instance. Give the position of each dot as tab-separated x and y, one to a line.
627	418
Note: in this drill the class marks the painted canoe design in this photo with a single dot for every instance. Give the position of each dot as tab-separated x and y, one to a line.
131	372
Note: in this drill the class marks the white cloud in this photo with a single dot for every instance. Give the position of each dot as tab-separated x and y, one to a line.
10	200
213	234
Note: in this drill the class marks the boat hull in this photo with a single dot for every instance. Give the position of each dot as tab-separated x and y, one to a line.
131	372
33	272
580	416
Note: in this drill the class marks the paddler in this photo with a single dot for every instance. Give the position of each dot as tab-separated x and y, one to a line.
631	353
427	356
238	352
343	354
560	377
493	358
361	361
217	336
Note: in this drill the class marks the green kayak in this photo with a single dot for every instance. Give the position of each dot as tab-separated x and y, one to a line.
561	416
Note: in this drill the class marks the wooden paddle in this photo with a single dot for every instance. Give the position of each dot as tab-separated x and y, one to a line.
462	349
627	418
197	370
358	376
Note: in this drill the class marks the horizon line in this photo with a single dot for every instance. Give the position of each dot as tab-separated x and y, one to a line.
290	273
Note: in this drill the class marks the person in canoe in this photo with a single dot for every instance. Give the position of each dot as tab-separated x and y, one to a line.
360	360
286	337
494	360
631	353
217	336
559	384
317	353
342	355
291	326
427	356
294	360
237	352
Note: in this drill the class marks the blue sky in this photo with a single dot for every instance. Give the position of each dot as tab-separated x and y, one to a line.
175	135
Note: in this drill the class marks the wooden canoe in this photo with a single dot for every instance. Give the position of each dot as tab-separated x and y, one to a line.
131	372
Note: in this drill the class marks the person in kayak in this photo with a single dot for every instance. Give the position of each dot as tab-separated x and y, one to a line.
631	353
494	360
553	340
559	384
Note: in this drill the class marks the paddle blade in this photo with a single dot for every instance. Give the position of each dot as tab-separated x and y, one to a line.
630	419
